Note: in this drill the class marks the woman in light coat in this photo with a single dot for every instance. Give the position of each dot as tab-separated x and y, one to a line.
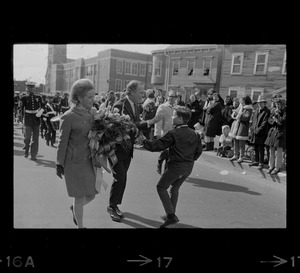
240	129
73	153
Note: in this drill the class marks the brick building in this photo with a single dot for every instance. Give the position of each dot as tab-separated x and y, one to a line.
187	68
253	70
111	69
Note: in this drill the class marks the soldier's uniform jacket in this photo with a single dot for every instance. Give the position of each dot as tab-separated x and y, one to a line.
30	106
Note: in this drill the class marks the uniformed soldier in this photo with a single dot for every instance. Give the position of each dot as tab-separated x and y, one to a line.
30	105
56	99
64	103
48	114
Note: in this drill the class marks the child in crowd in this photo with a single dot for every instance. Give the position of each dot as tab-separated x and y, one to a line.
184	147
225	142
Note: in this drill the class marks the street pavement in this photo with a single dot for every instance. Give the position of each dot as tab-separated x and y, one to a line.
218	194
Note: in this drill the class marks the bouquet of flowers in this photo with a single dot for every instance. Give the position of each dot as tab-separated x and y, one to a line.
109	129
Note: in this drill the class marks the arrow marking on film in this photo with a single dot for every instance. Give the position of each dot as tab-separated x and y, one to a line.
280	261
146	261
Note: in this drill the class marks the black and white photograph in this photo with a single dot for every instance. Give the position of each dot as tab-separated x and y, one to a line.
149	136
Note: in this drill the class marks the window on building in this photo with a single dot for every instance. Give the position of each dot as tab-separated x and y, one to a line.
236	91
175	68
150	68
261	60
255	92
134	70
142	71
119	67
89	71
118	86
157	68
127	68
233	93
190	67
206	66
237	63
284	64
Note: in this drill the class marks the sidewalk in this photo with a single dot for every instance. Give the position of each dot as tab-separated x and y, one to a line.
244	167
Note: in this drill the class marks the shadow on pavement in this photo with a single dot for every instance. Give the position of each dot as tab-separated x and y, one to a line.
148	222
45	163
219	185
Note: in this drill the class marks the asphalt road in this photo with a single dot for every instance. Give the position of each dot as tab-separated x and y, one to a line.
216	195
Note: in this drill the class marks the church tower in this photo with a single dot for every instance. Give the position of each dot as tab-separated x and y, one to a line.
57	54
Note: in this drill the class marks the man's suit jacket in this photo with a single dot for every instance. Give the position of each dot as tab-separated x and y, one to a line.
259	127
126	109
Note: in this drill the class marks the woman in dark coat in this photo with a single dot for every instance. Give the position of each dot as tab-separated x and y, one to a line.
195	108
213	121
276	138
227	111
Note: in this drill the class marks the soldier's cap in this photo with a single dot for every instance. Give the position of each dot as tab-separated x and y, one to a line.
28	83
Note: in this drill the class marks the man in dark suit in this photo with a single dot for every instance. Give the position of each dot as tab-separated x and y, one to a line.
259	131
129	106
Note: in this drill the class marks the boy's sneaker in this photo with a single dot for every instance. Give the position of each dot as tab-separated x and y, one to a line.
170	221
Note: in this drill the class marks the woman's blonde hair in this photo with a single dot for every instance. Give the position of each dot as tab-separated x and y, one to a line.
79	89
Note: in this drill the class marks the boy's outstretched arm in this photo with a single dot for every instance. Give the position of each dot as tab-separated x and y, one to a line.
159	144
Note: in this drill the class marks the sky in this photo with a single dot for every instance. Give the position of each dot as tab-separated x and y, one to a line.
30	60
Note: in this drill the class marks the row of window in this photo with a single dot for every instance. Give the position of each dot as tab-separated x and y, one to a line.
260	65
132	68
190	69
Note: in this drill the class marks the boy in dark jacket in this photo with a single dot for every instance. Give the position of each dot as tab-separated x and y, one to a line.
185	148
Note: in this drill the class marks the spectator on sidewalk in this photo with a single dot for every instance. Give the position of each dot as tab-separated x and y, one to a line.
201	104
195	108
227	111
184	146
163	124
213	120
240	130
276	138
258	131
225	142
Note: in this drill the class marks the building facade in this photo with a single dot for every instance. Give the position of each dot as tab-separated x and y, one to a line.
253	70
111	69
187	69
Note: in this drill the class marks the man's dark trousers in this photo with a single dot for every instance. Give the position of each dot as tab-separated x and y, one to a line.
119	182
34	131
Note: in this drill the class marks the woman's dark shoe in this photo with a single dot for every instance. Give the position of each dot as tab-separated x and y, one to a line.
253	164
74	218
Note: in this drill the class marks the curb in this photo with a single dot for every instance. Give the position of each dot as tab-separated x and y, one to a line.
243	167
